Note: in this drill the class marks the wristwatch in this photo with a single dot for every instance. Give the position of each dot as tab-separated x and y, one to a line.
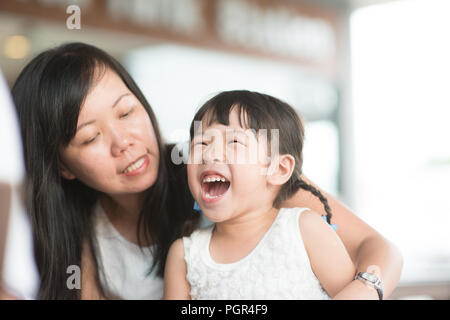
373	280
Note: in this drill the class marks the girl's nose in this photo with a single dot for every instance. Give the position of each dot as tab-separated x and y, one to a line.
212	154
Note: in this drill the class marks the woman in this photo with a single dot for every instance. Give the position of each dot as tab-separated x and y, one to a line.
103	192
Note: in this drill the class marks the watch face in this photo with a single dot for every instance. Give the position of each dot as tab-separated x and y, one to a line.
370	277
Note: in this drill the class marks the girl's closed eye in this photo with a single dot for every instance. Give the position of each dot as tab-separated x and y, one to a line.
237	141
198	142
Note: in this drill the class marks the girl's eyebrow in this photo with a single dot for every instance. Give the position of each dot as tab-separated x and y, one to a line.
240	130
112	107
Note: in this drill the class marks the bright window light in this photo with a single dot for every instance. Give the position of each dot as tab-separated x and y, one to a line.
401	76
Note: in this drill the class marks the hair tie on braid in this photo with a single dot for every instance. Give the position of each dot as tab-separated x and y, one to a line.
334	226
300	183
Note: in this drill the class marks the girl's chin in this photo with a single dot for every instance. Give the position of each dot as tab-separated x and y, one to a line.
216	216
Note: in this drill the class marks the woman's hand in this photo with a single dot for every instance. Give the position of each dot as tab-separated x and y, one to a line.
366	247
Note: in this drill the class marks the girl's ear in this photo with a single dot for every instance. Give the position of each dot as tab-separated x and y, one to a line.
65	172
281	169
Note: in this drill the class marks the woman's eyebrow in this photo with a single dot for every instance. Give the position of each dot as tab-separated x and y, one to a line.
112	107
84	125
118	99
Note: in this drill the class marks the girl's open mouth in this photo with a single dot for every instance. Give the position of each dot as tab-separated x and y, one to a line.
214	187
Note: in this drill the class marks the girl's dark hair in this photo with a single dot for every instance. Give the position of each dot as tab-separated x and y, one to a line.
260	111
48	95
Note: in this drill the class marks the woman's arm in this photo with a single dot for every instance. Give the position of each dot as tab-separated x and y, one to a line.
89	285
176	287
368	250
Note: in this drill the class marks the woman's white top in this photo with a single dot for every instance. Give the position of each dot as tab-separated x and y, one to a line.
20	276
123	265
277	268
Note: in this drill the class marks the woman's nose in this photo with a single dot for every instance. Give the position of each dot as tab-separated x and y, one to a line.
120	143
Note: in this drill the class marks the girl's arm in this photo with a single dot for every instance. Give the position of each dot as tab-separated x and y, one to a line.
329	260
367	248
176	287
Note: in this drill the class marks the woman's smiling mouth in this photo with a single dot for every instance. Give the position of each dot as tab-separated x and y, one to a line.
137	167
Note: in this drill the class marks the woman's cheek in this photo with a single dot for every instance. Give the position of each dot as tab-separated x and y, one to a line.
140	120
94	163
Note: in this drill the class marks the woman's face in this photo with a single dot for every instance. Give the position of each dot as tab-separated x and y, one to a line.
114	150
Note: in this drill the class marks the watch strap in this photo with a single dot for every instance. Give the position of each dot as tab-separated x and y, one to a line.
376	284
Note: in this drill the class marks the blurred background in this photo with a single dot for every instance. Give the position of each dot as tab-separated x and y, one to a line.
370	78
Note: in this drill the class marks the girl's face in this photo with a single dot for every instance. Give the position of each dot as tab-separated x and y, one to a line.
114	150
226	171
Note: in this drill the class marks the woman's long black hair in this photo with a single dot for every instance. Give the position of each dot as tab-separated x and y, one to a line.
262	111
48	95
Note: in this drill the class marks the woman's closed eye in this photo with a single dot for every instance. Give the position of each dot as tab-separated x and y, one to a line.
124	115
91	140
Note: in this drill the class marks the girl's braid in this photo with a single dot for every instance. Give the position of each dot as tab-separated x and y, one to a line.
300	183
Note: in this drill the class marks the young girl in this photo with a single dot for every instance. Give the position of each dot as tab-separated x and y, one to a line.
255	250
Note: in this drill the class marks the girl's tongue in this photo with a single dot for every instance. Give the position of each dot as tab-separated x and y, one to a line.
217	188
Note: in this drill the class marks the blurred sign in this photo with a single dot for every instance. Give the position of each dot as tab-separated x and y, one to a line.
280	29
275	29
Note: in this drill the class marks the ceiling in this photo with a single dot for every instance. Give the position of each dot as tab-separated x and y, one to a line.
362	3
38	32
351	4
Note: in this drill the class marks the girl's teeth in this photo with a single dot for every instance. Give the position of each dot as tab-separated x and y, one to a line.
214	179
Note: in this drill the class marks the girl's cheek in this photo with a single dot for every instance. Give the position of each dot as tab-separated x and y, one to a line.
238	155
192	181
195	155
